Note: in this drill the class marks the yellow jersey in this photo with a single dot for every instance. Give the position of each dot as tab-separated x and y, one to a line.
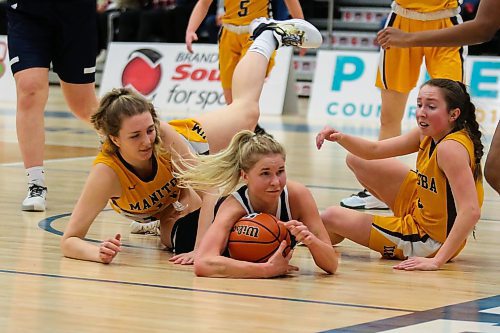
435	209
242	12
142	200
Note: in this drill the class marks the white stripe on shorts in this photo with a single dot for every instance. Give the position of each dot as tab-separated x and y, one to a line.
413	249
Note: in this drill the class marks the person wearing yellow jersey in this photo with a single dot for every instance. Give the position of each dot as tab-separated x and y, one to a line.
399	69
481	29
234	37
435	206
135	170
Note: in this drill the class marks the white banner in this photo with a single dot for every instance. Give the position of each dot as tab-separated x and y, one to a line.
179	82
7	83
344	88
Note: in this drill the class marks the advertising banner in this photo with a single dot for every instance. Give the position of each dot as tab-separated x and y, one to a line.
7	83
344	89
184	83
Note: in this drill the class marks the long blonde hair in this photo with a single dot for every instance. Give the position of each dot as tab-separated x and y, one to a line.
223	169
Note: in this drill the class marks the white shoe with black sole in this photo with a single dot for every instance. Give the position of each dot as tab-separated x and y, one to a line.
363	200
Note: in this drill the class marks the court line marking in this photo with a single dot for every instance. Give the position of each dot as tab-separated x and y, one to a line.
46	224
207	291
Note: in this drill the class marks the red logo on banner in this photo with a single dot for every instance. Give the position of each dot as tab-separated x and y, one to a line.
143	71
185	71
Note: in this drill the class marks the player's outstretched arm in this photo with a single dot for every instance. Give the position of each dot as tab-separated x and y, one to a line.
102	184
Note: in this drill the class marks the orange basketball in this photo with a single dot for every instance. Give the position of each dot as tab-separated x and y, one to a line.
256	237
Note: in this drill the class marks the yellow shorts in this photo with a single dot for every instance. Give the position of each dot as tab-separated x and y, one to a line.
399	236
191	130
232	47
399	68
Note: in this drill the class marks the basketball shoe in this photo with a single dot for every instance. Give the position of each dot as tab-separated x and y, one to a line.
294	32
149	228
363	200
35	201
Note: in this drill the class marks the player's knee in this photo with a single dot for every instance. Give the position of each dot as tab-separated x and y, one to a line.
354	162
330	216
27	88
251	112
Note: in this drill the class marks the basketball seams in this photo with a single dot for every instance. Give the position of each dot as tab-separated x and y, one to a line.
259	249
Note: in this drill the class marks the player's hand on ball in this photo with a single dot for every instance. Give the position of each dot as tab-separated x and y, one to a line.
329	134
279	264
109	249
300	231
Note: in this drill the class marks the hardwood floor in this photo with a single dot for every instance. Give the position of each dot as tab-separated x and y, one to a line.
141	291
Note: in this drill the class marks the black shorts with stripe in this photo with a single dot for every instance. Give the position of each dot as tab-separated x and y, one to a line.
63	32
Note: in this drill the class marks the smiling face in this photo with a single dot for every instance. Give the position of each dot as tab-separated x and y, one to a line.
267	178
433	117
136	138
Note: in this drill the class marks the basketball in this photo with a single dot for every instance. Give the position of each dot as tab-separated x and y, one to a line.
256	237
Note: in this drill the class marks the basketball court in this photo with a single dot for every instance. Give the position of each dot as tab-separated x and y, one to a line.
142	291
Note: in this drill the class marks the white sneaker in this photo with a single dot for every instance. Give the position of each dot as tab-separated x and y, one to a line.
294	32
149	228
363	200
36	199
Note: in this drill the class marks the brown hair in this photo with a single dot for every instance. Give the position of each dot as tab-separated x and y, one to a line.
116	105
456	97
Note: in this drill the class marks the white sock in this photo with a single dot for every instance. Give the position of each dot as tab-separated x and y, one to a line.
36	175
264	44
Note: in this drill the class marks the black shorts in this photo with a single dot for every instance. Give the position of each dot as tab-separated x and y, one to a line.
183	236
63	32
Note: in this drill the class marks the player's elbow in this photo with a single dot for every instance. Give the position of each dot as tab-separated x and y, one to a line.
203	267
65	245
472	214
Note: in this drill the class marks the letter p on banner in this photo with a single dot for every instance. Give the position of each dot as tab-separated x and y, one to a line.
347	68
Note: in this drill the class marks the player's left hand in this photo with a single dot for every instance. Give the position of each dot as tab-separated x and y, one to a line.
300	231
183	258
418	263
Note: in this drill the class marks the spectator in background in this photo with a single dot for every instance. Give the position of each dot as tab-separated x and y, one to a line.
160	21
105	10
40	33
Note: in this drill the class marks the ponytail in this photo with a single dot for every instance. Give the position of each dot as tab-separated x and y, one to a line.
471	125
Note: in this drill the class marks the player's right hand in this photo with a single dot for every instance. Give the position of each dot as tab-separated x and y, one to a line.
329	134
279	264
190	38
390	36
109	249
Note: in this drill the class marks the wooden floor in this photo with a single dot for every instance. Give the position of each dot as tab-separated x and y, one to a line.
41	291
